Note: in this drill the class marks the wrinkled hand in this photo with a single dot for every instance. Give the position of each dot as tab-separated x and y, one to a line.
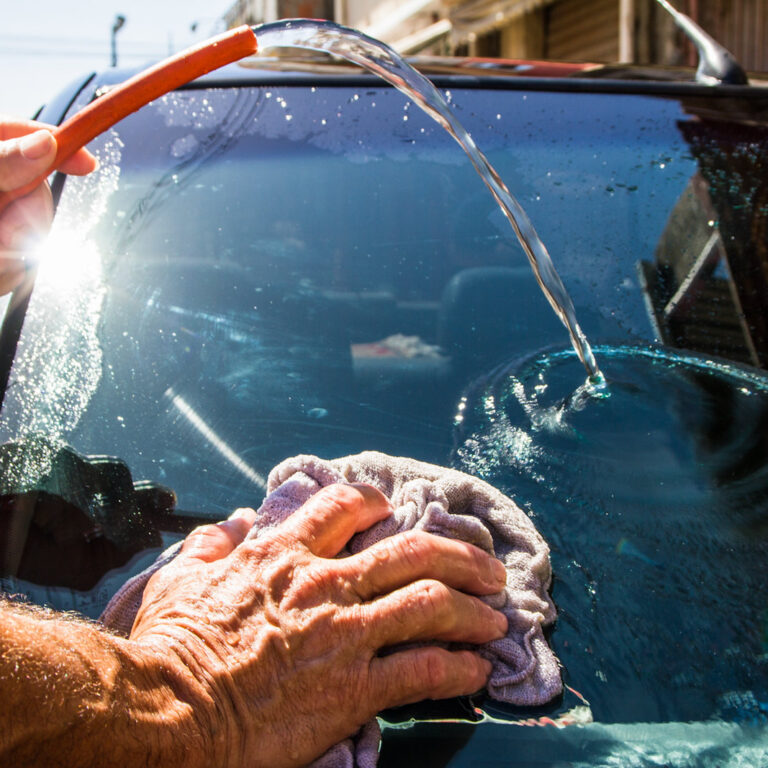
27	150
277	643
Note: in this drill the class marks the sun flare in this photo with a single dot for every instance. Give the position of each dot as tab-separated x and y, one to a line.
66	260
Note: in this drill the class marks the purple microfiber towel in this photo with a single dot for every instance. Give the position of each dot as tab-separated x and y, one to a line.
440	501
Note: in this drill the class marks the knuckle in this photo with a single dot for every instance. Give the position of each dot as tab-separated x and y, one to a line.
299	585
276	544
353	623
312	586
342	497
334	502
208	529
434	599
436	669
277	580
435	593
414	547
201	535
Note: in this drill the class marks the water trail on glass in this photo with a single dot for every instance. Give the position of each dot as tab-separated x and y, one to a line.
381	60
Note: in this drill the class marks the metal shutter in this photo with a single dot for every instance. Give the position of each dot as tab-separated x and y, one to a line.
582	30
742	27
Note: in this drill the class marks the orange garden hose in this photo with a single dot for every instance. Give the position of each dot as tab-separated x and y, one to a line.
139	90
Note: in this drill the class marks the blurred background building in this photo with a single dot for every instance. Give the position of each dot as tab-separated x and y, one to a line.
566	30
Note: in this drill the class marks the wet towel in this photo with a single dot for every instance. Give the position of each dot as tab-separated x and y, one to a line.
441	501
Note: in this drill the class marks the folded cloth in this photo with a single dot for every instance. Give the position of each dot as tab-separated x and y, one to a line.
441	501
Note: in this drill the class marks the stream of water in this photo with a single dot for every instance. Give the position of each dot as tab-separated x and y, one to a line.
381	60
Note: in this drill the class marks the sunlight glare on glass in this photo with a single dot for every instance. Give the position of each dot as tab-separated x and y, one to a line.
197	421
66	260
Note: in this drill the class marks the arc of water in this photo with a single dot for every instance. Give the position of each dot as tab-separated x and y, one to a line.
381	60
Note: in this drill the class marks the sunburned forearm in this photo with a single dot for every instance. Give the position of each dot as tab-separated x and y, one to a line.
253	652
74	695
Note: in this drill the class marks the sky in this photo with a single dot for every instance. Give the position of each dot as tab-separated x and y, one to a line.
45	45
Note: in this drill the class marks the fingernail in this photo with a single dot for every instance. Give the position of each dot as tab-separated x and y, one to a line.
241	512
371	493
484	667
501	622
35	145
499	571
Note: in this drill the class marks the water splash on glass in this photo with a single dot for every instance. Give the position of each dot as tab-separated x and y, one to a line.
381	60
653	502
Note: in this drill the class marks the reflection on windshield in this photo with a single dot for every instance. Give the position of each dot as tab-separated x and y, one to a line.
186	410
708	284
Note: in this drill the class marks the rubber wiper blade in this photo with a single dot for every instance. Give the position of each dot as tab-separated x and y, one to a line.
717	65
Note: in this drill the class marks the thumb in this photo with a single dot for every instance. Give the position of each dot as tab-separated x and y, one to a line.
216	541
25	158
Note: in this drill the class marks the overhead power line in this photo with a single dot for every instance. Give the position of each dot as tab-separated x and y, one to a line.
53	53
59	41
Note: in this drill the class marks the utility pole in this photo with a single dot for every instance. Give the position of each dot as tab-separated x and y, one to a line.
626	31
116	26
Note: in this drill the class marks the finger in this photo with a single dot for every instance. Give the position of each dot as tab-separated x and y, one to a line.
12	127
214	542
399	560
26	220
329	519
80	164
12	271
409	676
430	610
27	143
25	158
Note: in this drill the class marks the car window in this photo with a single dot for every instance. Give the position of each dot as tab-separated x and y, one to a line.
259	272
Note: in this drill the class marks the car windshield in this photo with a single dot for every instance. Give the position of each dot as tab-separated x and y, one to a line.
276	262
264	271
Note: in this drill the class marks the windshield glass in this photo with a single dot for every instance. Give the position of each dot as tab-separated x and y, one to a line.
259	272
282	271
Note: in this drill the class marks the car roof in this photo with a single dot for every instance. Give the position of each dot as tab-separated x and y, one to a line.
462	71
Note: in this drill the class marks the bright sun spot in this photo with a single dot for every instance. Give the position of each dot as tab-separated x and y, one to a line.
66	260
